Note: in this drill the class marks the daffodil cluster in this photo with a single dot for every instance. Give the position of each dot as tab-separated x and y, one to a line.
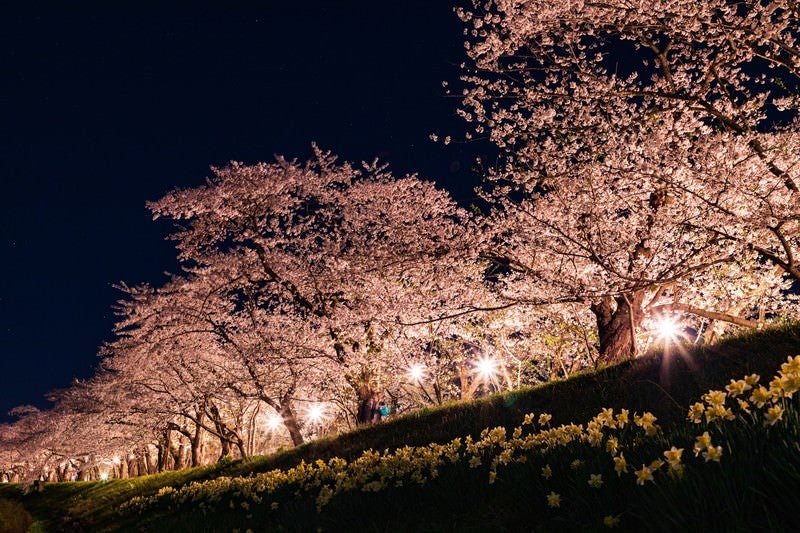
747	394
614	433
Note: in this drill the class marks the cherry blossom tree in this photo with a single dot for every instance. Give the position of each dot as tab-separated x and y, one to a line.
649	151
318	263
172	348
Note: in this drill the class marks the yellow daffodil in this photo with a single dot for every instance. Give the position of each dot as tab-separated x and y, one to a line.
752	379
790	383
622	418
595	480
703	442
620	464
744	406
737	387
646	422
547	472
612	445
713	453
595	438
715	397
576	464
673	455
776	388
606	417
611	521
644	474
544	419
760	396
696	412
773	414
554	500
792	365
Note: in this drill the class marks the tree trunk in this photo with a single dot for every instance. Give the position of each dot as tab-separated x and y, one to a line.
617	320
176	451
196	440
226	448
290	422
367	403
163	446
150	467
133	465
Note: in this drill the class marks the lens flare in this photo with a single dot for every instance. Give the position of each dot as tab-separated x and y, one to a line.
486	367
417	372
315	413
274	422
667	329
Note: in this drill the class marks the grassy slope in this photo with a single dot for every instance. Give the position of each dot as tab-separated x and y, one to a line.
662	385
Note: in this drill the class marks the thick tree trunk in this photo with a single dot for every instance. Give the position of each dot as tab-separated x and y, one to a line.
150	464
617	320
163	446
226	448
133	465
290	422
196	440
242	449
176	451
227	437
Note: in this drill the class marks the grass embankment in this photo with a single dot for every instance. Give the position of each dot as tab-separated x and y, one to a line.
755	484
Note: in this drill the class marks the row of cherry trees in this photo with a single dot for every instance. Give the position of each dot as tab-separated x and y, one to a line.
307	292
648	170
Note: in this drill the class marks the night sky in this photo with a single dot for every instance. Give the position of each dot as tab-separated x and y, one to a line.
103	109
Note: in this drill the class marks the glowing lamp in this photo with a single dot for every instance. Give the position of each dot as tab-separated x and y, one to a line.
667	329
417	372
315	413
103	476
274	422
115	460
486	367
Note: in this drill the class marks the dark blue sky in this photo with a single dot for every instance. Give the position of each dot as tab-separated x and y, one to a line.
102	109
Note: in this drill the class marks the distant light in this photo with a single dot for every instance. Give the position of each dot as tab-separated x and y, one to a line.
5	480
274	422
103	476
486	367
315	413
417	372
667	328
115	460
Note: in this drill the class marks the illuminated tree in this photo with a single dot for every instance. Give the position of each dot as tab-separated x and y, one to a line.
650	150
316	265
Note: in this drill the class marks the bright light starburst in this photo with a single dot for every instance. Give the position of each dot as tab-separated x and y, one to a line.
667	328
315	413
274	422
486	367
417	372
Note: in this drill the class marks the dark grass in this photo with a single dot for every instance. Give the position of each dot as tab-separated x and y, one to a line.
665	384
13	517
